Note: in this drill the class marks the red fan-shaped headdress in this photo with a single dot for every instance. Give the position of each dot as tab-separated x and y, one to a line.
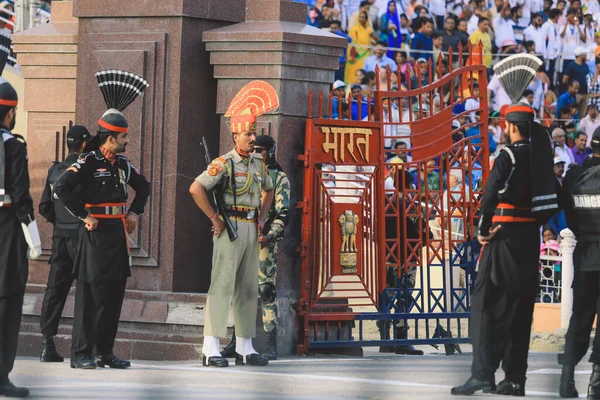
254	99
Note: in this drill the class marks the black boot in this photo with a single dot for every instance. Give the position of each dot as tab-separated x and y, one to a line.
511	388
251	359
402	333
567	389
229	350
472	385
49	353
111	361
384	334
270	352
8	389
219	362
594	387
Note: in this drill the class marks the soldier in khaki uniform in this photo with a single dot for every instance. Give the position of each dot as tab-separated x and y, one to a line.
249	190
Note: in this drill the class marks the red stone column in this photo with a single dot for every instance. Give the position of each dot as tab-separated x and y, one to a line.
274	44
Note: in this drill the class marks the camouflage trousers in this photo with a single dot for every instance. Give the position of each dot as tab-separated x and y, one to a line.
267	274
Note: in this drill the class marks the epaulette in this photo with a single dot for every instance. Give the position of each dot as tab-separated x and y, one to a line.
20	138
223	158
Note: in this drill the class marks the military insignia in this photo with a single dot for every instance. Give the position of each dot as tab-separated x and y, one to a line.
222	160
213	171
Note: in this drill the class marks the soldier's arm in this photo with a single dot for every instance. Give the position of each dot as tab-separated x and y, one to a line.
496	182
64	189
46	207
17	176
282	206
142	191
267	196
204	182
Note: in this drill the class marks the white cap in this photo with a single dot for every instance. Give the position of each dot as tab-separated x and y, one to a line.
558	160
580	50
338	84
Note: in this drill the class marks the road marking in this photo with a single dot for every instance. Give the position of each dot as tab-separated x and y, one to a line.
555	371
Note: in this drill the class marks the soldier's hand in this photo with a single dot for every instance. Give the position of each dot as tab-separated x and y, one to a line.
264	241
490	236
131	221
91	223
218	227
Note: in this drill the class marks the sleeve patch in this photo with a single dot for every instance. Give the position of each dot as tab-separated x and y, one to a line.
213	171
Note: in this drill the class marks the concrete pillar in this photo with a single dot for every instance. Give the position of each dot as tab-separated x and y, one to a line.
567	246
274	44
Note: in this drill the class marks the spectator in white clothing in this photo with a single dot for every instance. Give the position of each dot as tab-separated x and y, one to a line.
500	96
473	103
551	31
589	123
560	146
503	28
571	37
535	33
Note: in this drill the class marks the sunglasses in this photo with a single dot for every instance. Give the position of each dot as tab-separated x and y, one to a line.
258	149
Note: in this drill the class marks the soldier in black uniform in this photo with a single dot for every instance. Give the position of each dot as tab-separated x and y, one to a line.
103	259
519	196
580	199
18	229
64	246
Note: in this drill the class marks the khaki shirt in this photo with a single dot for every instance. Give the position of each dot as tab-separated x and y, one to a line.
251	178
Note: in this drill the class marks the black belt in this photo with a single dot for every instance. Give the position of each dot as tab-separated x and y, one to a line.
243	213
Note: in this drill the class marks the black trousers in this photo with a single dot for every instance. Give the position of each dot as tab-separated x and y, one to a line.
586	305
97	312
501	328
60	279
10	321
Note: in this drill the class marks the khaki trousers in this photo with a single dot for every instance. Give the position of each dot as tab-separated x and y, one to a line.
234	280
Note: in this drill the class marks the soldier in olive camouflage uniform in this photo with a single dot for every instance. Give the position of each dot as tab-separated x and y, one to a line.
273	233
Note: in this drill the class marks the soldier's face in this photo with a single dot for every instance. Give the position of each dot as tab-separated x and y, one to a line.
245	141
13	115
119	142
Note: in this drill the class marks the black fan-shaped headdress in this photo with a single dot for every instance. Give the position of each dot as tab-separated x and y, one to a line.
515	73
120	88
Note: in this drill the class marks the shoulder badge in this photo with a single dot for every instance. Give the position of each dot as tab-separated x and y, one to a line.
19	138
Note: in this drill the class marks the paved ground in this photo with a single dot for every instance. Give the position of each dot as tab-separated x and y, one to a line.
373	376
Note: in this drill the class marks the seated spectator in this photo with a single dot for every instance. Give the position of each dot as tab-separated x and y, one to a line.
359	76
357	98
495	128
422	78
422	43
379	59
438	56
548	234
589	123
561	150
473	103
403	65
432	177
568	98
528	95
339	93
500	98
580	151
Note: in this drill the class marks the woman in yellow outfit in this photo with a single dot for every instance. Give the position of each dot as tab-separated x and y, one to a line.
363	36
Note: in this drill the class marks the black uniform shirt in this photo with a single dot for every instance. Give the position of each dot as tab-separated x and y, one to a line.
586	256
509	182
65	224
101	182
